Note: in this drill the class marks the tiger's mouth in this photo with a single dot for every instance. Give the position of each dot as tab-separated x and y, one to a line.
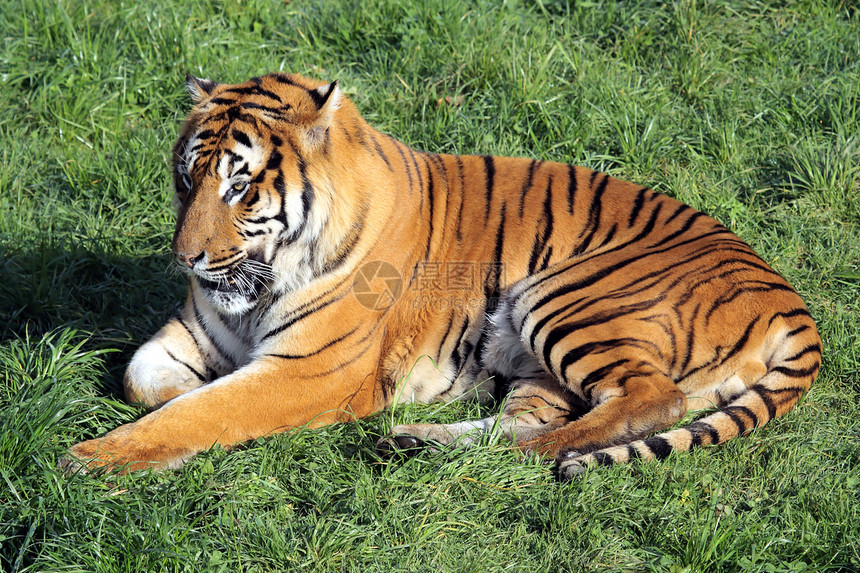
239	287
226	285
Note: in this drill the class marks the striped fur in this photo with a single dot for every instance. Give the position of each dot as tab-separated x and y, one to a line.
598	311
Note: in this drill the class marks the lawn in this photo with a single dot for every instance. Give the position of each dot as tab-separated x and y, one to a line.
748	110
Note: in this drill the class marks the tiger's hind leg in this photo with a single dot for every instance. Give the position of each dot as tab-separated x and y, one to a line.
533	407
630	404
613	348
534	401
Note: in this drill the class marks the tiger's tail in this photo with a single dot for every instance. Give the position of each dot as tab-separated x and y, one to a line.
771	396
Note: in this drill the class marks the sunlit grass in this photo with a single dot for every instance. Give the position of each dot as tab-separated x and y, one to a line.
747	110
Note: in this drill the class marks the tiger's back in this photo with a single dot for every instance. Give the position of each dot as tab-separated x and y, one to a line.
597	310
618	281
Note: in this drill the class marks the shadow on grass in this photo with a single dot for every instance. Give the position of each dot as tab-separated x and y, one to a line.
119	301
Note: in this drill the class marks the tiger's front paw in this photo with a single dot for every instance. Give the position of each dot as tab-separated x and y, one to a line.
115	451
85	457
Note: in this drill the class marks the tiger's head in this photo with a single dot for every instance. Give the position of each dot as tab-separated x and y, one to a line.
254	172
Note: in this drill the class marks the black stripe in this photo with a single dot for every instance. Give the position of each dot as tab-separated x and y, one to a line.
275	160
199	376
379	151
681	208
795	373
249	234
431	196
440	165
732	414
764	393
632	453
281	188
660	446
397	145
700	429
327	345
456	355
706	272
319	97
242	138
190	333
252	199
199	317
597	276
420	177
571	188
338	368
275	112
256	90
307	198
600	346
285	79
603	459
609	236
491	288
222	100
593	216
206	134
794	391
545	260
620	293
298	317
740	343
548	317
447	330
260	178
565	329
462	198
596	376
688	224
798	330
637	206
228	262
540	244
527	185
490	170
762	286
731	411
308	193
789	314
807	350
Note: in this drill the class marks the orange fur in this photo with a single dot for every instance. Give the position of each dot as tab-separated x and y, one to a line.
602	311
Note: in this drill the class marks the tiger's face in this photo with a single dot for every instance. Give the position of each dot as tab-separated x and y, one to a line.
243	188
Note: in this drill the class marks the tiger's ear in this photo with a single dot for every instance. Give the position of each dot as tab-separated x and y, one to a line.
327	98
199	89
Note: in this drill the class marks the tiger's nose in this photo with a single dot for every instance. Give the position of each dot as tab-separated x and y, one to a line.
188	259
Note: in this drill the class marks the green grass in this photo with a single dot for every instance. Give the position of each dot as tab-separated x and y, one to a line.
747	110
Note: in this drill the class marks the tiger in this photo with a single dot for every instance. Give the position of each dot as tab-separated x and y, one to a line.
335	272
